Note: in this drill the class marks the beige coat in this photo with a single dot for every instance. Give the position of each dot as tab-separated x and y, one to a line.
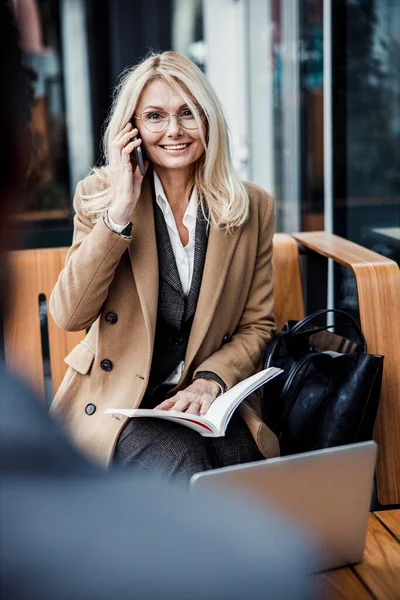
106	272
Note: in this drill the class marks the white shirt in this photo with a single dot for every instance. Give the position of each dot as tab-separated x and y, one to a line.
184	255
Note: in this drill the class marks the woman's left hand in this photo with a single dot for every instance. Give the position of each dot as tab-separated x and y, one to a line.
195	399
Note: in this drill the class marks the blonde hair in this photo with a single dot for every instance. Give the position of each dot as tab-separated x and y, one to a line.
223	196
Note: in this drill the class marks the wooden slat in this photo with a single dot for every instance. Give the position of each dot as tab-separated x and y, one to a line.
380	569
61	342
341	584
43	215
378	576
22	339
391	518
378	287
288	295
35	272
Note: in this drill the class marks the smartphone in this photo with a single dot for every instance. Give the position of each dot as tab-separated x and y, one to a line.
139	157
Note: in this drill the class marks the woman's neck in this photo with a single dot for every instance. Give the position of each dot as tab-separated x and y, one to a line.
177	185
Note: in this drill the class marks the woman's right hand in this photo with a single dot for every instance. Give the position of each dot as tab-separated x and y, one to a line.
126	181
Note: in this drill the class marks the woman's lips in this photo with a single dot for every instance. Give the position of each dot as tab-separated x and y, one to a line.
176	148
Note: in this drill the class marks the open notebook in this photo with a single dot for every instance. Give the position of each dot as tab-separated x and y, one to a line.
216	419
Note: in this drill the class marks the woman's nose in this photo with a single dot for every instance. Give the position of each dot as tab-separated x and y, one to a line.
174	125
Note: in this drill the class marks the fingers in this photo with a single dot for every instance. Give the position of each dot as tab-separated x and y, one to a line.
126	141
189	402
123	131
205	406
194	408
118	137
184	402
177	402
122	140
128	138
126	151
166	405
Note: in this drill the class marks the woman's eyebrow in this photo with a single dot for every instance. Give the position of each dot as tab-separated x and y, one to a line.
154	108
151	107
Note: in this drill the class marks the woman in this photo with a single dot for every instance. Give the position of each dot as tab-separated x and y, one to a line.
172	273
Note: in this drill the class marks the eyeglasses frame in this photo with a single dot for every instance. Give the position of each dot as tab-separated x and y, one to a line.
178	118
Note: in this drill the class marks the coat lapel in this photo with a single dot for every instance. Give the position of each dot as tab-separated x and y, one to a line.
218	259
144	259
200	249
167	263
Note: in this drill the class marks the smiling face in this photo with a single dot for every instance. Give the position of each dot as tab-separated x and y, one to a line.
175	147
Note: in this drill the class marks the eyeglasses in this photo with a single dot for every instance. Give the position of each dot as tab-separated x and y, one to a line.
157	121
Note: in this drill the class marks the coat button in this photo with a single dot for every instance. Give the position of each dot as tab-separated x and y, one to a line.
90	409
106	364
177	341
111	318
226	338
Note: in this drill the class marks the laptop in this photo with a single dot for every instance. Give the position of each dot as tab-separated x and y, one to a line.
327	492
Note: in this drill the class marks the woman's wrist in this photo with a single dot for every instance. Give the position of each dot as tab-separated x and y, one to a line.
115	226
118	218
211	376
210	385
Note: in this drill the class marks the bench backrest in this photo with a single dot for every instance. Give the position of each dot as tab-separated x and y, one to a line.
34	274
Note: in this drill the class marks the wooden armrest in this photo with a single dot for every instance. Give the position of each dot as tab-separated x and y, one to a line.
343	251
378	289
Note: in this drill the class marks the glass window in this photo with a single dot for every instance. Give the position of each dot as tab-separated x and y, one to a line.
311	114
274	106
39	25
367	142
366	130
187	30
47	218
286	108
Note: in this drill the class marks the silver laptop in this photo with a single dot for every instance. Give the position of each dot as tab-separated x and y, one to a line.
328	492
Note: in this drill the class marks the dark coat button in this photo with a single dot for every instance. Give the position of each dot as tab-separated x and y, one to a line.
226	338
90	409
177	341
106	364
111	318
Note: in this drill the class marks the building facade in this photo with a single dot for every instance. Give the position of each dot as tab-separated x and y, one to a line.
311	91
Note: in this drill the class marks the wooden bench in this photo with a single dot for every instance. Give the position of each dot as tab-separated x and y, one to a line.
378	287
378	576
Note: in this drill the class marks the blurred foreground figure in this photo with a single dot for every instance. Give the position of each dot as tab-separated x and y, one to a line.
59	537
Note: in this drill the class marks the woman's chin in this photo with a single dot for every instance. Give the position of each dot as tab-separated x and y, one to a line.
174	163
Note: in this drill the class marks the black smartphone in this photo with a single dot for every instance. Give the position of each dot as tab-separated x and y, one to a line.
139	157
